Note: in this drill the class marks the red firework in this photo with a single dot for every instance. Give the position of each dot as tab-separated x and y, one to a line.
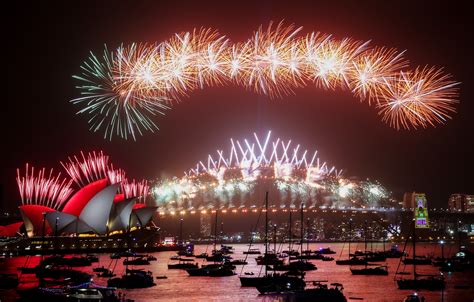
43	189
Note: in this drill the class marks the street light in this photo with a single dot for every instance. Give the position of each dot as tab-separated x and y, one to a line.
442	249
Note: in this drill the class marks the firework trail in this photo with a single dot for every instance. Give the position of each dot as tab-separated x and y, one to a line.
138	189
43	189
94	166
125	88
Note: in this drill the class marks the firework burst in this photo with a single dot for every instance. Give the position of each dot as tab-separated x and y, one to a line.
123	90
43	188
234	179
115	96
94	166
420	98
138	189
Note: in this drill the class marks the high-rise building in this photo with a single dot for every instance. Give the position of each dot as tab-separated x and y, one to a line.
461	203
408	200
412	200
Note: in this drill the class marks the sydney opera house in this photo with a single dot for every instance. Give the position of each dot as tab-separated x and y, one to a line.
94	209
106	205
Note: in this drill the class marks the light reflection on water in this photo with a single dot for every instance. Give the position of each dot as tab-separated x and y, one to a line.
180	287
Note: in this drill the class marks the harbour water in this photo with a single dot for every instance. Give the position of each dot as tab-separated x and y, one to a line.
180	287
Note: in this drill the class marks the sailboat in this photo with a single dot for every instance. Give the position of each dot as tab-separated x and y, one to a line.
216	269
419	281
380	270
133	278
354	260
300	264
291	280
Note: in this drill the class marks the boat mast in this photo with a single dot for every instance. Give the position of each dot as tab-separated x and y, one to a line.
275	238
266	231
350	237
307	233
414	249
302	227
215	235
181	231
365	240
289	235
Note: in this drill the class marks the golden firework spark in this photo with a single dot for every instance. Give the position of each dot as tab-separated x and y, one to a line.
420	98
128	85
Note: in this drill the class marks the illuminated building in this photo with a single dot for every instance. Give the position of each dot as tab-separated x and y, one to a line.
461	203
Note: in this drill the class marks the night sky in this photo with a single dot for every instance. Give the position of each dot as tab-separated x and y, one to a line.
46	42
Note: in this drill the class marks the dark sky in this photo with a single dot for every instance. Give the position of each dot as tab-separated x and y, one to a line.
46	42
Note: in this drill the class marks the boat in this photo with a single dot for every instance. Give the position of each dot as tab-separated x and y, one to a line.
222	269
28	270
295	279
269	258
414	298
450	266
212	270
321	293
8	281
133	279
106	274
429	282
71	262
188	250
183	266
369	256
381	270
92	258
151	258
418	260
291	253
277	285
354	260
61	275
317	293
136	261
181	259
394	252
308	256
252	251
202	255
299	265
161	277
100	269
238	262
216	256
84	292
325	251
226	249
326	258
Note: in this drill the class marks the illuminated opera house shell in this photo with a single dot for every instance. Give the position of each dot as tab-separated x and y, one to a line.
95	209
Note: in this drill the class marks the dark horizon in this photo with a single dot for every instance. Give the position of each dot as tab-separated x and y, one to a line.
46	44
